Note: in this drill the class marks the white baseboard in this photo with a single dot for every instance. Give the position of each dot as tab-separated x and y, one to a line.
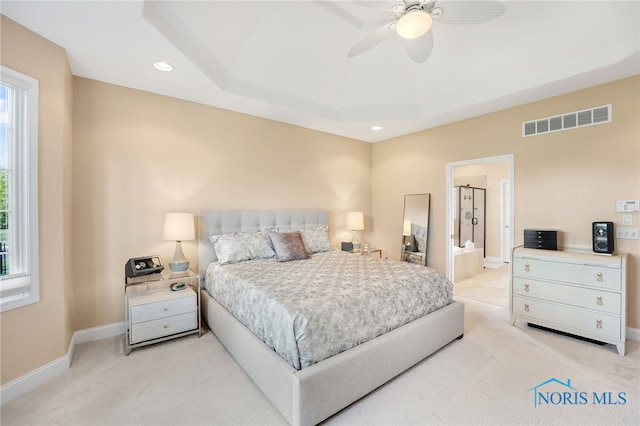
633	334
99	333
57	367
33	379
493	262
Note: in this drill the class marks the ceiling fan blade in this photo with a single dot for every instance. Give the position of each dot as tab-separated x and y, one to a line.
372	39
468	12
420	48
380	4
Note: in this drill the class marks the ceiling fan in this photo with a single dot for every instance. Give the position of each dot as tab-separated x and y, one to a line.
413	19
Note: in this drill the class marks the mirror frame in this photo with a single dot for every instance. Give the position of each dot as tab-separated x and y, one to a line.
411	216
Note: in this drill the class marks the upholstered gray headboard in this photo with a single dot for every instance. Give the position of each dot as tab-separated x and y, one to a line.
216	222
419	231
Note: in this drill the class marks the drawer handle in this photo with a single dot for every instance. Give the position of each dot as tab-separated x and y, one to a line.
598	323
166	326
599	277
526	288
599	300
526	267
526	307
165	309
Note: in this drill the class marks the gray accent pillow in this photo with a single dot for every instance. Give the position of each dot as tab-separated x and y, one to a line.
316	239
288	246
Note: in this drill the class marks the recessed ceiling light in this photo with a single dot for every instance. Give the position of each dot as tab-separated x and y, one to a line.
376	128
163	66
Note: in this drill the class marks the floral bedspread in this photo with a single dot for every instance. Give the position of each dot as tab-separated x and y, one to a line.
309	310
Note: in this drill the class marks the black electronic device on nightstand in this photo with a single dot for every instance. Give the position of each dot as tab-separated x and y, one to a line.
137	269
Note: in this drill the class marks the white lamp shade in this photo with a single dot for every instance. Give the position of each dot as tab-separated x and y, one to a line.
355	221
406	227
413	24
179	227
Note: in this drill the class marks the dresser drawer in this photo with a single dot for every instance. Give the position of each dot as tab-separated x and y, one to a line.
600	300
160	303
587	275
163	327
596	325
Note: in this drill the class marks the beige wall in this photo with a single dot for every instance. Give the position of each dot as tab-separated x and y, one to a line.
40	333
563	180
139	155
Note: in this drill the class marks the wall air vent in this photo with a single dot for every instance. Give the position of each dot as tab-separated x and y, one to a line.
588	117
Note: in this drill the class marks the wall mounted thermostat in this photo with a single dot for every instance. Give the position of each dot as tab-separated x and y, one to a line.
626	206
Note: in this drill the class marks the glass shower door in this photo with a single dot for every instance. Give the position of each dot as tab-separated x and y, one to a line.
470	216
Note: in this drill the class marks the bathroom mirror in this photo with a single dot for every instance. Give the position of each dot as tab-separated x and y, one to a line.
415	228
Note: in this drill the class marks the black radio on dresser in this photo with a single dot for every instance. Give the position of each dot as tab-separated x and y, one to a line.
541	239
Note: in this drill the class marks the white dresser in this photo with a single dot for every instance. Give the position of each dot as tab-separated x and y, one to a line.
578	293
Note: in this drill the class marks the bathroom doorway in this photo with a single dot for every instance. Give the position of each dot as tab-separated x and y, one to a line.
495	175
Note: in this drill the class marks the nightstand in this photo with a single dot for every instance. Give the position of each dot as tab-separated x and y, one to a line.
155	313
367	251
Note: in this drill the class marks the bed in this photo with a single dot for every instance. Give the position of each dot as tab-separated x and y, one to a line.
321	382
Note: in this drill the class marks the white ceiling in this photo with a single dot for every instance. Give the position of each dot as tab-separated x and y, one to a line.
287	60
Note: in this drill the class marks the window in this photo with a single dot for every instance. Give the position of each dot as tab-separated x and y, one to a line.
19	283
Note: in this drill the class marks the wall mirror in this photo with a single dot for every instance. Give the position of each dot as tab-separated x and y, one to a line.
415	228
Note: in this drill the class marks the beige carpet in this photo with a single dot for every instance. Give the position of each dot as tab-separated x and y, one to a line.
491	285
485	378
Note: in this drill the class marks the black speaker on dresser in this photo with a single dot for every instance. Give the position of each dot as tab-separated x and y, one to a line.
602	233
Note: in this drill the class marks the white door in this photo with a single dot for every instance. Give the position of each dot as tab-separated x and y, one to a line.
505	220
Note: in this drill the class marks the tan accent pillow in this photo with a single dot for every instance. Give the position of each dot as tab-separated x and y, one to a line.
288	246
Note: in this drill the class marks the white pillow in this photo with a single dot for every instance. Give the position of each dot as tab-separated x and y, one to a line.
316	239
241	246
230	248
259	245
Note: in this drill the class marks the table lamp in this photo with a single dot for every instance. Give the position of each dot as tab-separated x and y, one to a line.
407	242
355	222
179	227
406	227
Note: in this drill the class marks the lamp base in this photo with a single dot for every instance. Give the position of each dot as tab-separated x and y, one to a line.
178	266
179	263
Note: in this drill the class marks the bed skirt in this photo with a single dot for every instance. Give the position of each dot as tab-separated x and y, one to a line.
310	395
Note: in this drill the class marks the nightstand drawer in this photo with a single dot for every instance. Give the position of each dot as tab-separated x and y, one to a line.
163	327
600	300
160	303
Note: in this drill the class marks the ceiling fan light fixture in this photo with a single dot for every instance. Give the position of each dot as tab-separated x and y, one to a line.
413	24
